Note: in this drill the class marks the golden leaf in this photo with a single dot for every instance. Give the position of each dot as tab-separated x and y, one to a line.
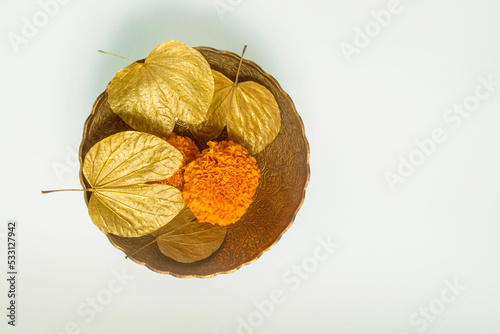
248	109
186	240
117	169
174	81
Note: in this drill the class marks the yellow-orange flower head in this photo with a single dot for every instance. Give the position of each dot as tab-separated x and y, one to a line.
189	152
220	184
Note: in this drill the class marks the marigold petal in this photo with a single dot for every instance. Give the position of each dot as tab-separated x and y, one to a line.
189	152
220	184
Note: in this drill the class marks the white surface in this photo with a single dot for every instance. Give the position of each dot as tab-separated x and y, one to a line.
396	248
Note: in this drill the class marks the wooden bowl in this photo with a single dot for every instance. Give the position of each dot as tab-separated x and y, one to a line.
284	167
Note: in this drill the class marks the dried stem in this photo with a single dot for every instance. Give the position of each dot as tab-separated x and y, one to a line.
112	54
141	248
58	190
239	66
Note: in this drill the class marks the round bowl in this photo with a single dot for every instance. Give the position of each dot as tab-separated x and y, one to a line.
284	166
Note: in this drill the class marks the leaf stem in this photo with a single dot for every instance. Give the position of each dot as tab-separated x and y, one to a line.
141	248
239	66
112	54
58	190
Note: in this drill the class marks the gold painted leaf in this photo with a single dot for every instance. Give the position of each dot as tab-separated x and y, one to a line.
117	169
186	240
134	210
248	109
174	81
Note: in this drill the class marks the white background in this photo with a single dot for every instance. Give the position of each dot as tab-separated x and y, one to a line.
396	248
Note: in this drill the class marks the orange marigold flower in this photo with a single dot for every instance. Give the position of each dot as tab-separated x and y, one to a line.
189	152
220	184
